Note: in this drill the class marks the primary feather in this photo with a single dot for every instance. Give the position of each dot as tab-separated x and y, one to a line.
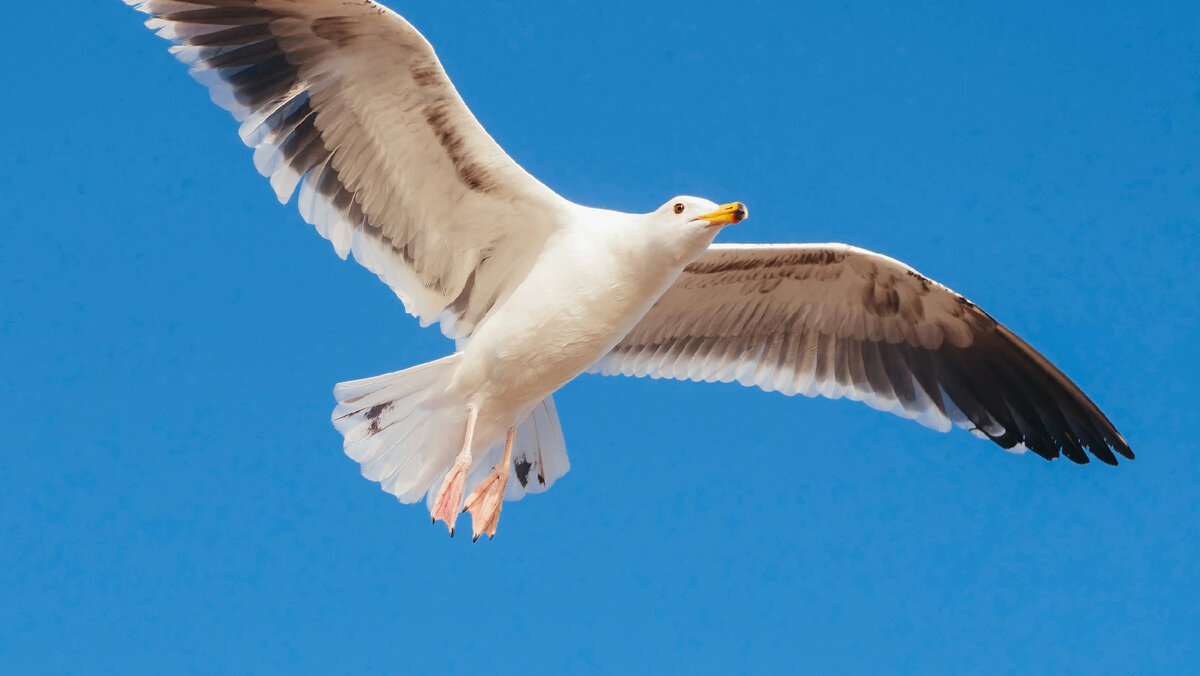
837	321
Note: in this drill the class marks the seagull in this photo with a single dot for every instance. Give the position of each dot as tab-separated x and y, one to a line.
348	108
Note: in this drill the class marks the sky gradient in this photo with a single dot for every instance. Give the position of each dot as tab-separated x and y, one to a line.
174	499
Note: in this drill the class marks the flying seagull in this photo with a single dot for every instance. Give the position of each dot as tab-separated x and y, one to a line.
346	103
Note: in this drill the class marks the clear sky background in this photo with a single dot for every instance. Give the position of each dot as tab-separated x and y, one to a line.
173	497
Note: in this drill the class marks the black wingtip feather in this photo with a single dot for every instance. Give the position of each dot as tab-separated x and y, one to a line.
1049	413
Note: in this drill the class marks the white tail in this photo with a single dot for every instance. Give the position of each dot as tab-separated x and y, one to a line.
399	428
405	433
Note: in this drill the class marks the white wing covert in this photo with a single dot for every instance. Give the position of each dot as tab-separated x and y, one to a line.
837	321
345	101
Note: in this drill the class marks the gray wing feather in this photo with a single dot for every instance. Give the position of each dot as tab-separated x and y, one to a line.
346	103
835	321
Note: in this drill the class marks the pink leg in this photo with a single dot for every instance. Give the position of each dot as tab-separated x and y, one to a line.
449	496
485	501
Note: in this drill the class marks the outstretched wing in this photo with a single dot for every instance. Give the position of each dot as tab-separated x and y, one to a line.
346	102
838	321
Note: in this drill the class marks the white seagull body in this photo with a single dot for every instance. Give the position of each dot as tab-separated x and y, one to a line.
346	103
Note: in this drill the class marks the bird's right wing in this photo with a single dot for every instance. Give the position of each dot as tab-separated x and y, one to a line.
347	102
838	321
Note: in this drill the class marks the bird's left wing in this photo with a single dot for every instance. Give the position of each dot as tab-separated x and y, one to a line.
838	321
346	102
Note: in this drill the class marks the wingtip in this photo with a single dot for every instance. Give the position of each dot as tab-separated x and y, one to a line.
1123	448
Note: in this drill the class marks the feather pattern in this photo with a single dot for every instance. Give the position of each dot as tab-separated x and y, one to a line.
837	321
345	103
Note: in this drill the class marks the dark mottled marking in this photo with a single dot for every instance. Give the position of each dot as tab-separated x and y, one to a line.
220	3
826	257
523	466
221	16
763	285
820	257
377	410
339	30
373	414
913	311
473	174
881	298
926	283
428	74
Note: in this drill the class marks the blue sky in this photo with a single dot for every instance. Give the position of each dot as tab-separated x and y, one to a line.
173	497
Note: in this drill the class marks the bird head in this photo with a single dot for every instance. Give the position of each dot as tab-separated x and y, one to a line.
699	213
685	226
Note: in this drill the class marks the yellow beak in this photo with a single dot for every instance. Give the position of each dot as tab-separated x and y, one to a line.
728	214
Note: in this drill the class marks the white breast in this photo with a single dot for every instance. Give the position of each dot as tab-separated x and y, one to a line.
584	293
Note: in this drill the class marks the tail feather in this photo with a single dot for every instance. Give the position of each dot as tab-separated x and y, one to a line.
547	460
356	396
399	427
362	440
405	432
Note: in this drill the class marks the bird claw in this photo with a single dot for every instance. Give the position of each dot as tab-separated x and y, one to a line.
449	496
484	504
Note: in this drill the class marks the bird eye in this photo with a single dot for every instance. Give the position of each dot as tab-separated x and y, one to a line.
679	207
